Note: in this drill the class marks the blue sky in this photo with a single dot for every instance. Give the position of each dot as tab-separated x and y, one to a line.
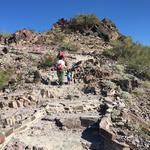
132	17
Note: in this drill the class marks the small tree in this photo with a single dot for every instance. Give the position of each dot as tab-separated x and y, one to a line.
5	76
48	60
83	22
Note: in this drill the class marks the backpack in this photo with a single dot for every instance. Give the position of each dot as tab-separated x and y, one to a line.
59	67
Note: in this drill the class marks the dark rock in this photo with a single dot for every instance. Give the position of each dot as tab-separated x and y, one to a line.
45	80
1	105
124	84
35	148
103	109
5	50
89	89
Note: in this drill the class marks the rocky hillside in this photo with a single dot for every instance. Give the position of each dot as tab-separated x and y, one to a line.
107	108
85	24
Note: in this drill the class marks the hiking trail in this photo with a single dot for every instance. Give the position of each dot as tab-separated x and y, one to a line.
63	121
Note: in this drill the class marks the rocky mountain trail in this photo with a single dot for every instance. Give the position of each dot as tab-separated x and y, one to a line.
67	99
106	108
91	114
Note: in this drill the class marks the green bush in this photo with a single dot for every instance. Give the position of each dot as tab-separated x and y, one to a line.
58	37
48	61
83	22
135	56
4	77
69	46
146	84
5	35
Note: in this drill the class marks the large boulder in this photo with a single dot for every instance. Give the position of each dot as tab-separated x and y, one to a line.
107	30
24	35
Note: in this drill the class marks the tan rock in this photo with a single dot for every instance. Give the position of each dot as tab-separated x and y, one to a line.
9	132
20	103
2	138
26	103
105	130
87	121
78	108
70	123
105	123
13	104
109	100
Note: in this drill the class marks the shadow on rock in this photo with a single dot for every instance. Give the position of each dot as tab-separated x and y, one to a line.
91	134
55	83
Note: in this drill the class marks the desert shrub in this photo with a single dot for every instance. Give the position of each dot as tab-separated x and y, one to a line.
146	84
118	68
138	92
48	60
69	46
5	35
58	37
110	84
125	95
135	56
84	21
19	77
5	75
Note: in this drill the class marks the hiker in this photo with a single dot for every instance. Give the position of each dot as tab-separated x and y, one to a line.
60	70
74	76
69	76
61	55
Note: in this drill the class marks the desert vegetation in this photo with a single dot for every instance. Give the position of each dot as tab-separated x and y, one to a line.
135	56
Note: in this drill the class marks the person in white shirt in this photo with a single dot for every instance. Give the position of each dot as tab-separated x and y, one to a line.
60	70
61	61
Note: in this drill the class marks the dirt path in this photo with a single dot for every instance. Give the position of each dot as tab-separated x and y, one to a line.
66	122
